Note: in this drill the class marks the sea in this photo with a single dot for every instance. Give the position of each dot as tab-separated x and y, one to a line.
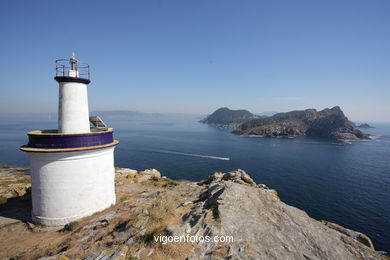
345	183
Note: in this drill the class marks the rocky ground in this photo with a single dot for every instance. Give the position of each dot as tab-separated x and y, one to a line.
147	205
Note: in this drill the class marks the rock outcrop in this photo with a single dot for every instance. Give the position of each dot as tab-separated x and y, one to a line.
327	123
262	226
13	182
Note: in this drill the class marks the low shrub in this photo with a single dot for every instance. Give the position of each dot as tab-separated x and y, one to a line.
160	211
71	226
170	182
3	200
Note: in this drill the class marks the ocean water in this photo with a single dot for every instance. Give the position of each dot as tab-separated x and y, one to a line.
348	184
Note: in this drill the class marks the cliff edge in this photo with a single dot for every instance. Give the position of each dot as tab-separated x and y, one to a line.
149	205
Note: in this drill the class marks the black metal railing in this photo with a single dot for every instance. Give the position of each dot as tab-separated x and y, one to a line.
64	65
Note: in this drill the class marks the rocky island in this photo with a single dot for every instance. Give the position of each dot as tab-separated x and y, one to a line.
328	123
148	205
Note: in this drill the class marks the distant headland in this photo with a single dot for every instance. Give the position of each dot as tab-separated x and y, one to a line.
364	126
327	123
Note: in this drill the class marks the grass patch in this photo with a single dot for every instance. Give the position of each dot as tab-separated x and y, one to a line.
171	182
71	226
23	180
162	214
163	182
40	226
124	198
159	212
155	178
3	200
148	237
161	209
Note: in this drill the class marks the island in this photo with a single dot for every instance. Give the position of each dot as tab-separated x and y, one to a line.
330	123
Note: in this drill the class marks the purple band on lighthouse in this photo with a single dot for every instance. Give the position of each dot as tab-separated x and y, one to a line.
71	79
55	140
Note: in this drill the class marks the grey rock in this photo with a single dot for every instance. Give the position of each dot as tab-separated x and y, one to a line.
239	176
263	227
172	230
184	204
262	186
91	234
126	171
148	175
113	253
151	251
119	253
362	238
216	176
55	257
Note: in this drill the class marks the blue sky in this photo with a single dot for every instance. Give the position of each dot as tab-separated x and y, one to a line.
196	56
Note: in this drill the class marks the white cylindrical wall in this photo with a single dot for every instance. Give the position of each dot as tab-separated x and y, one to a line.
71	185
73	113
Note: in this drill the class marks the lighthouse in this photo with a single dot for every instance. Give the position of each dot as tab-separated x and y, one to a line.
72	167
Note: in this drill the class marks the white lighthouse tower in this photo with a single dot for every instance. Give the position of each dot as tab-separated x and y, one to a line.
72	168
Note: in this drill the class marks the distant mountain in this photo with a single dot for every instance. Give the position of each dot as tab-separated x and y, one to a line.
225	117
327	123
364	126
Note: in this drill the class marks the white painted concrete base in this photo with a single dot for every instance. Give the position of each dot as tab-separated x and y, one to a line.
63	221
71	185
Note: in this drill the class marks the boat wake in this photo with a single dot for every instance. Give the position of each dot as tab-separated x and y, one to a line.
375	137
191	154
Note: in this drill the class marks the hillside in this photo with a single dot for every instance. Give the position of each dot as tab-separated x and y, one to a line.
227	117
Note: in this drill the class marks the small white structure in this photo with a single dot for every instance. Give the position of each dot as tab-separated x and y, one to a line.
72	168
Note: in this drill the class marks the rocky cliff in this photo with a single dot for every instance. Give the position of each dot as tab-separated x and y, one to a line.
327	123
148	205
227	118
